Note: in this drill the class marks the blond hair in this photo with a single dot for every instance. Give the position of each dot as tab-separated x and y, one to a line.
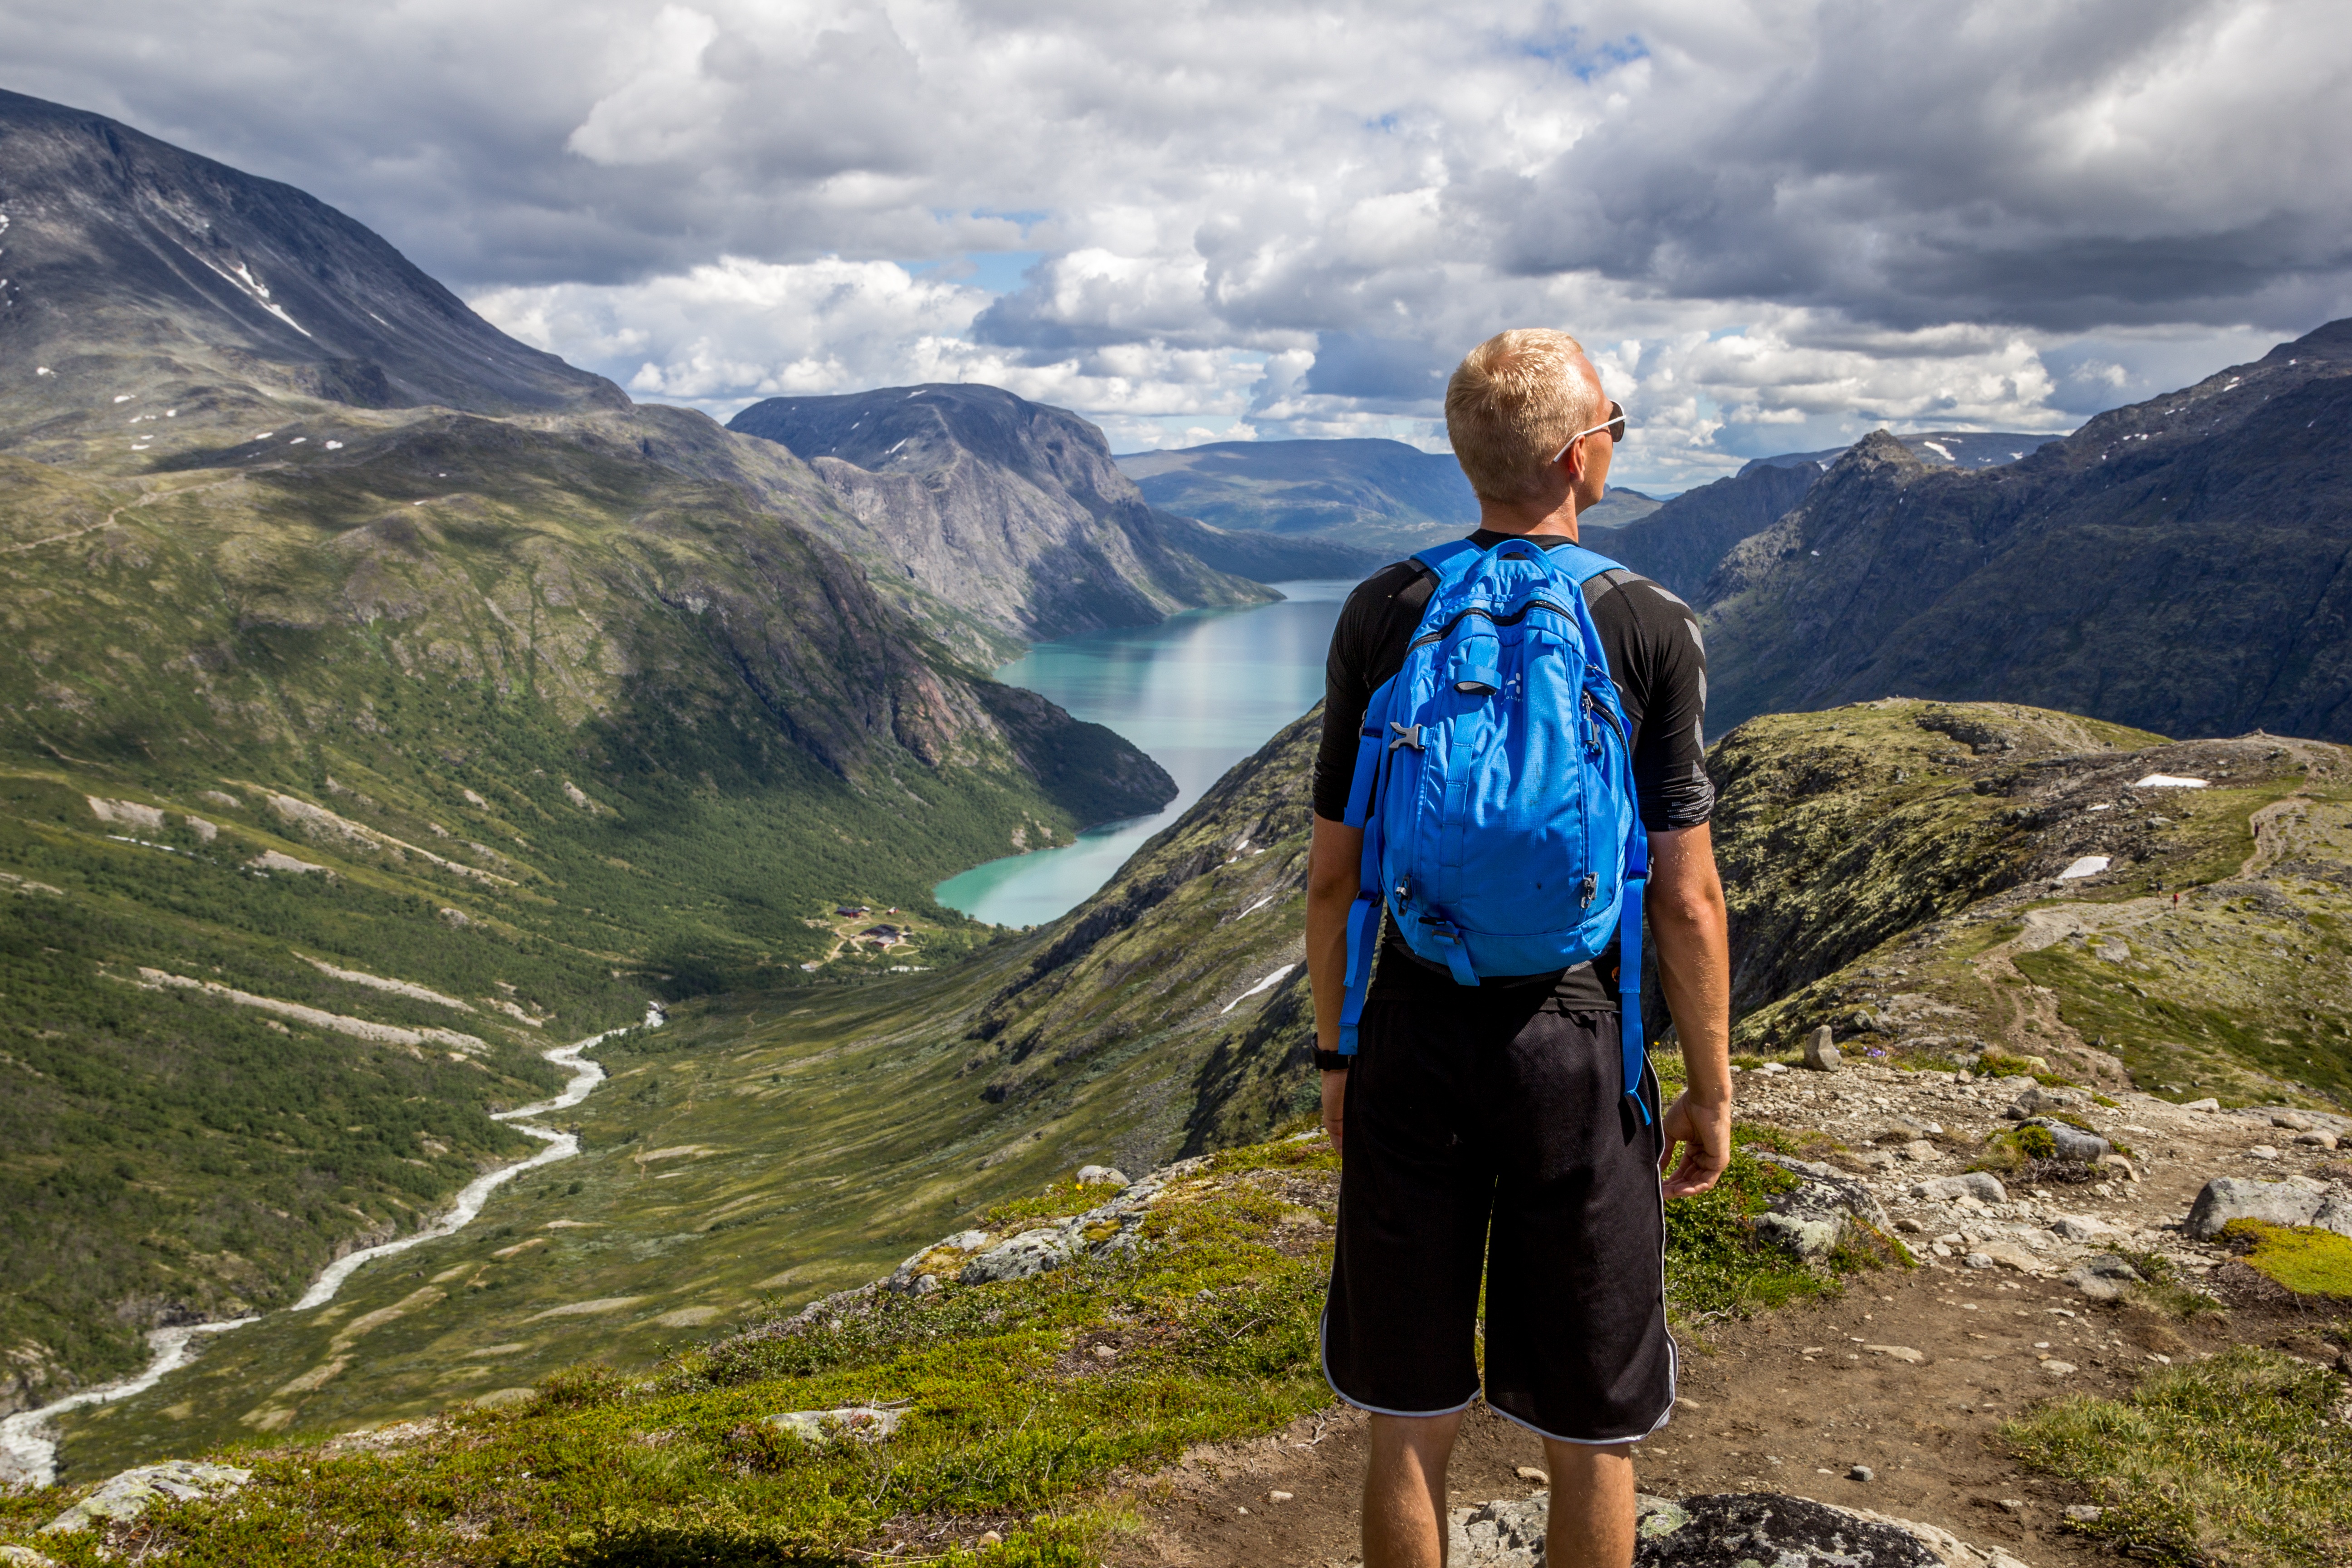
1513	402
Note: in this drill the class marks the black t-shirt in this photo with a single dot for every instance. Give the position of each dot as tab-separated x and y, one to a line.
1655	657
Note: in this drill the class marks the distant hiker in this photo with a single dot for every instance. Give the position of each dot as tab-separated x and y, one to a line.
1524	697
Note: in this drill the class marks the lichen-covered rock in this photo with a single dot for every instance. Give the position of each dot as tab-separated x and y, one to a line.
25	1557
2073	1144
1031	1252
1759	1529
2297	1200
1508	1533
1809	1218
132	1493
848	1423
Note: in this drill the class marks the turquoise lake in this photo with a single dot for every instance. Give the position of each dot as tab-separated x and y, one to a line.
1199	692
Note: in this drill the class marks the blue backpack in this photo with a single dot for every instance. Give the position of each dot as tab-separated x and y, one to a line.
1495	785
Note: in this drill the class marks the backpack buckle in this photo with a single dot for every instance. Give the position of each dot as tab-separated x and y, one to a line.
1406	735
1588	889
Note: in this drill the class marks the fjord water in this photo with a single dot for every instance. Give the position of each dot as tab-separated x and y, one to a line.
1199	692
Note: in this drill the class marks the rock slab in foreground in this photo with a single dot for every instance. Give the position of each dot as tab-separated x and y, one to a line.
2298	1200
129	1494
1727	1529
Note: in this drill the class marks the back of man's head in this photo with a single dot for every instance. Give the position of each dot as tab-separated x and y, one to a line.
1514	401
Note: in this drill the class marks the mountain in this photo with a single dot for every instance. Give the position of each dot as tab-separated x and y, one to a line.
1379	495
1943	449
1009	511
1893	870
2178	565
1680	543
383	702
141	277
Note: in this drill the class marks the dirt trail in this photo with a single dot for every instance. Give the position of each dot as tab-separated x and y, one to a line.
1791	1401
2028	1013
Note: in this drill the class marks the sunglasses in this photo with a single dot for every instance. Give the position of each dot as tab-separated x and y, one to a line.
1614	424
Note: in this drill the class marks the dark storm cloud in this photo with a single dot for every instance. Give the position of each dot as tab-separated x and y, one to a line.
1762	214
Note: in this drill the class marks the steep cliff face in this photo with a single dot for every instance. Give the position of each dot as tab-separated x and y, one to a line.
1010	511
2179	565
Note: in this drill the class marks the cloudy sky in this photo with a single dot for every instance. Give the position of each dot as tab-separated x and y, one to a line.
1775	223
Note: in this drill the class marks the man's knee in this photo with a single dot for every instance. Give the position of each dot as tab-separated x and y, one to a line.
1427	1440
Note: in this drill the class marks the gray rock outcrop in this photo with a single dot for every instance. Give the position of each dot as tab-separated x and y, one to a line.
2297	1200
1981	1185
1810	1218
132	1493
2102	1278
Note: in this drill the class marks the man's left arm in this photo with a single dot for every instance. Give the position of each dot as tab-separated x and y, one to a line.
1690	931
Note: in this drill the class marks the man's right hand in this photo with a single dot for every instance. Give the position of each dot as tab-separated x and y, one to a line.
1335	1104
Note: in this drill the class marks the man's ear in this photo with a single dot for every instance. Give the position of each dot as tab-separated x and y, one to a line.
1571	462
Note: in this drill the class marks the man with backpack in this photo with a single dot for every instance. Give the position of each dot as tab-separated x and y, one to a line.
1512	769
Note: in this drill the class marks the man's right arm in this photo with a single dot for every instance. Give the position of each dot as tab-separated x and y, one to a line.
1333	868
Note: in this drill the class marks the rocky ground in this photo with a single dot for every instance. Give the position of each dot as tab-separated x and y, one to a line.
1889	1398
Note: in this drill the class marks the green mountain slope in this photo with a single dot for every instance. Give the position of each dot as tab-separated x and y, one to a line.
774	1146
542	708
1895	872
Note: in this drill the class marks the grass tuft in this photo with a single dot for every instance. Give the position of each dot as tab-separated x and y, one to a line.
2233	1462
2304	1259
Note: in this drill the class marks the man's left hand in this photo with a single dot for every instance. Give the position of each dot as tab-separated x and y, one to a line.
1703	1132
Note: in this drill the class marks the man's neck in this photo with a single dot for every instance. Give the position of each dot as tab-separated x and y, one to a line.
1528	517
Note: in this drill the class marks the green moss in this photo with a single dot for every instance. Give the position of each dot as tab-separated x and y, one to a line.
2231	1462
2307	1260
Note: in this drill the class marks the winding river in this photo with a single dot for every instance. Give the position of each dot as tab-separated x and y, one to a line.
1199	692
28	1453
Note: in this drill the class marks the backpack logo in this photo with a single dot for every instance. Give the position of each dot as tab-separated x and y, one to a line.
1494	784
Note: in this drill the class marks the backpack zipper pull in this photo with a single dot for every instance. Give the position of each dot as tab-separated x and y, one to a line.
1587	890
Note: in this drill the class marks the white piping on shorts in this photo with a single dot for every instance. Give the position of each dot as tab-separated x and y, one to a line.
1323	1356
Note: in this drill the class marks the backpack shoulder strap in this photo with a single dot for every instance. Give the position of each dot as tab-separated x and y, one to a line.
1447	562
1579	564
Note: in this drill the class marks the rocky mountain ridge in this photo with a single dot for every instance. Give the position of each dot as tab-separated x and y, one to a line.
2209	520
1008	510
146	286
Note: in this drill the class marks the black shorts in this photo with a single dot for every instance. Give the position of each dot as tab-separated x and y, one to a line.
1490	1134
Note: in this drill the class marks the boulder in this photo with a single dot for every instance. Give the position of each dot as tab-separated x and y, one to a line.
2102	1278
1981	1185
1820	1054
1102	1176
1765	1527
1031	1252
25	1557
2075	1145
132	1493
2009	1254
1919	1151
1506	1533
2297	1200
2080	1227
1808	1219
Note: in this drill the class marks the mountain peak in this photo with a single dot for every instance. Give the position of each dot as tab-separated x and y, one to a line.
138	269
2332	341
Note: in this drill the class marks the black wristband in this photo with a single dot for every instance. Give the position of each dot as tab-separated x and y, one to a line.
1331	1061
